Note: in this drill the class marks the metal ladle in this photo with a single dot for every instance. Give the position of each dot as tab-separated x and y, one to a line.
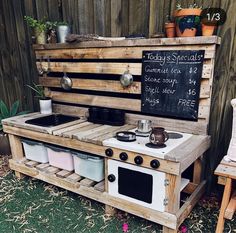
126	79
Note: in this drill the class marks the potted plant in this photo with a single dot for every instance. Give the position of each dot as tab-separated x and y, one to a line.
187	20
45	103
6	113
63	30
170	27
39	28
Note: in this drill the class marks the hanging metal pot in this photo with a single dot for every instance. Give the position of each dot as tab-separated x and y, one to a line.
66	82
126	79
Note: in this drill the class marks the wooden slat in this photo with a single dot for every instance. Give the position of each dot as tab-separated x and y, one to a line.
31	163
51	170
136	42
107	85
110	102
230	210
226	171
63	173
116	53
221	180
42	166
74	177
94	67
100	186
87	182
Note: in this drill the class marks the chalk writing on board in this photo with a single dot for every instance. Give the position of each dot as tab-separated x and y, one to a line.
171	83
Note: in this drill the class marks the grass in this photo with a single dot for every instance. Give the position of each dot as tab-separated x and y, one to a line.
30	205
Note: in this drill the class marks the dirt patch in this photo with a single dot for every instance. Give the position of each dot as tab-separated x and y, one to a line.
4	164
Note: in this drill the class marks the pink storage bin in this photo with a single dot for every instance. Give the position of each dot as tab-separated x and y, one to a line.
60	157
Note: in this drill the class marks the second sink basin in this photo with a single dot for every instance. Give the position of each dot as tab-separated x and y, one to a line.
52	120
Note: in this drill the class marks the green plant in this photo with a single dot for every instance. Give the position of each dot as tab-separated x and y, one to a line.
38	25
191	6
38	89
62	23
13	111
51	25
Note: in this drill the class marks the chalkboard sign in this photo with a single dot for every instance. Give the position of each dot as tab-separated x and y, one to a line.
171	83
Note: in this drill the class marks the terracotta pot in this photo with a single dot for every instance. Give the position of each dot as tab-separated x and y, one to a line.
170	30
208	30
187	21
4	144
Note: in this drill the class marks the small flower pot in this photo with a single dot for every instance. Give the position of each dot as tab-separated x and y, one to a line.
4	144
170	30
187	21
40	36
62	32
45	106
208	30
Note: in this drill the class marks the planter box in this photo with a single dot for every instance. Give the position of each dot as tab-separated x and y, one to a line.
89	166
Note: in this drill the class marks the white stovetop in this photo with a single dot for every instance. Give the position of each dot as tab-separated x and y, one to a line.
139	145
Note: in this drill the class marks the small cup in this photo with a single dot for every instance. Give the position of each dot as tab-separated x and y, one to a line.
158	136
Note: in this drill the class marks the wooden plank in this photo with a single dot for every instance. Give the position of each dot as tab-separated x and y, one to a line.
70	132
116	53
163	218
226	171
106	85
84	134
190	188
100	186
16	151
221	180
197	171
230	164
173	193
93	67
63	173
136	42
51	170
85	129
187	207
42	166
31	163
74	177
87	182
224	204
230	210
60	132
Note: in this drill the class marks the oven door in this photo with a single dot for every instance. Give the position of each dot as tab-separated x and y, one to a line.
136	184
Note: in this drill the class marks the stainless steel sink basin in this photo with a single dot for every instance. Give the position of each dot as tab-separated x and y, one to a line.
52	120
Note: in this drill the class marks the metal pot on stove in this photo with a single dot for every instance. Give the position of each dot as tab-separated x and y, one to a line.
144	126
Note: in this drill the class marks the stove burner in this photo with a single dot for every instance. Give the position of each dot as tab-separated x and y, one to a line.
175	135
154	146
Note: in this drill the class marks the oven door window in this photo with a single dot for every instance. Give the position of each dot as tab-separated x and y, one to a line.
134	184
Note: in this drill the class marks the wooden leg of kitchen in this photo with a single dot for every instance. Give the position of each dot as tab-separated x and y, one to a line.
16	151
110	210
197	171
224	204
169	230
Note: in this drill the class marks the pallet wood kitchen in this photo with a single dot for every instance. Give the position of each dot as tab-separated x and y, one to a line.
95	68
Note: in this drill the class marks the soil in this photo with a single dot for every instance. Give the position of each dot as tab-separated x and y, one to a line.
4	165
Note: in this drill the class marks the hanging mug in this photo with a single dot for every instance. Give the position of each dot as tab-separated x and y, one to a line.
158	136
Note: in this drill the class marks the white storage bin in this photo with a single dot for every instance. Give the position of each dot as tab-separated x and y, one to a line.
35	151
60	157
89	166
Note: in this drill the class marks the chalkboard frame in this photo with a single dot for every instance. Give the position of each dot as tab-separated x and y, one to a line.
162	62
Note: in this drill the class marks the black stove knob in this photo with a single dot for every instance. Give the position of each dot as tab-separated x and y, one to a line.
155	163
111	178
123	156
109	152
138	160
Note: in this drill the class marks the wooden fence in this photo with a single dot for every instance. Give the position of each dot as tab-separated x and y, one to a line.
113	18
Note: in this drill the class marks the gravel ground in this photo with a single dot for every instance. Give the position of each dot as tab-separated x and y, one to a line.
30	205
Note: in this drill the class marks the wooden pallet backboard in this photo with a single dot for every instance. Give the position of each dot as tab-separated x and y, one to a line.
95	68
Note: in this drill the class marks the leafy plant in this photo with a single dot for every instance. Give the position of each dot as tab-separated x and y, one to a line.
13	111
191	6
38	25
38	89
62	23
51	25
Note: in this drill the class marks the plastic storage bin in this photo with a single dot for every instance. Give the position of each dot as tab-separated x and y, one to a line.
60	157
35	151
89	166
